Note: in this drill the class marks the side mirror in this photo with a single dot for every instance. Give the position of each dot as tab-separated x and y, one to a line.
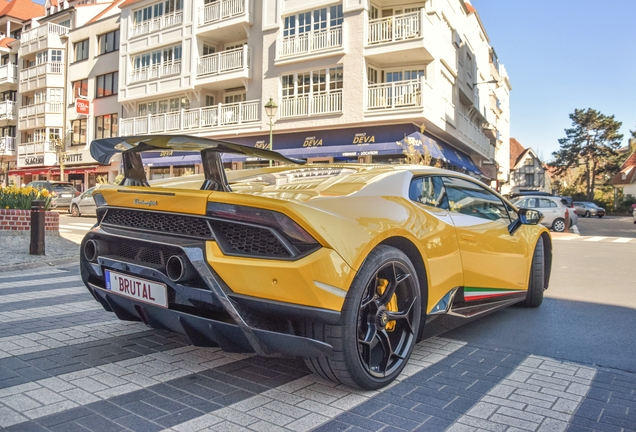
526	217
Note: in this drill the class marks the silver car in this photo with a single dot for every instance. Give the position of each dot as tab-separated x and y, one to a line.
588	209
553	208
83	204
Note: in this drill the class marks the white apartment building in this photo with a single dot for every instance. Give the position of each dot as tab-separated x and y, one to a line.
57	53
350	78
12	15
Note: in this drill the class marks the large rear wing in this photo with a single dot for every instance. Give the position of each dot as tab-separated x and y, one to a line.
131	147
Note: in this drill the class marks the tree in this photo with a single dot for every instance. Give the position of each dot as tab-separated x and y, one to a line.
591	144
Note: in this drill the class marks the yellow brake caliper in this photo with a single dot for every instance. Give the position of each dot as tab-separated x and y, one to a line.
391	306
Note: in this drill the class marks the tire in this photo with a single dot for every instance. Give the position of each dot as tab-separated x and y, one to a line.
558	225
600	216
369	349
75	212
587	214
536	282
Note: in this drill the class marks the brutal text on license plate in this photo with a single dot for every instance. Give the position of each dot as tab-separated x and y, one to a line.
137	289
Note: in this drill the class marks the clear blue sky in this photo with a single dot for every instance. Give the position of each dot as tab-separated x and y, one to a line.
561	55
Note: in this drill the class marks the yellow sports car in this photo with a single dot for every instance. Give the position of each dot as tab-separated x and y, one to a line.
345	265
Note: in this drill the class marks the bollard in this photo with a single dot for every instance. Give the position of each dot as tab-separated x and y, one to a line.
567	221
38	228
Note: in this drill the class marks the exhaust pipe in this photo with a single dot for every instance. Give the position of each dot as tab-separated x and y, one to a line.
178	269
91	250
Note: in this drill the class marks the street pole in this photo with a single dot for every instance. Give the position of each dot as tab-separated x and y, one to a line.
271	137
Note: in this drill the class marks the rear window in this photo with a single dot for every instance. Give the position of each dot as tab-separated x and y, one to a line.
63	187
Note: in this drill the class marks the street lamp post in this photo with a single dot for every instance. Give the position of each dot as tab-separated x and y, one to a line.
270	110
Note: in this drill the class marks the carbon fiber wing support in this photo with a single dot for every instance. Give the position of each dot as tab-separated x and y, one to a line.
131	147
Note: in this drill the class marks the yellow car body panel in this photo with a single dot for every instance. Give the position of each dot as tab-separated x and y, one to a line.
167	200
315	280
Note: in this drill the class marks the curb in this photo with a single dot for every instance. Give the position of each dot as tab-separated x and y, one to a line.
35	264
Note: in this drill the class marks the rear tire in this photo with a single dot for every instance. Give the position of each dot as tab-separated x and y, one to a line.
378	326
587	214
536	284
558	225
75	212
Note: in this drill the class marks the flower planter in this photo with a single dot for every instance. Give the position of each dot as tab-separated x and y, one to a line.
20	221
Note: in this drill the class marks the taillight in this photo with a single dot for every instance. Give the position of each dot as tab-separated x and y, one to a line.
77	193
268	218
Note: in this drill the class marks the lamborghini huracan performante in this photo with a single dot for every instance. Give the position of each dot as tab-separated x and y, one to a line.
345	265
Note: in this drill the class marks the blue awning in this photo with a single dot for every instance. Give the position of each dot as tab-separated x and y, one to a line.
440	150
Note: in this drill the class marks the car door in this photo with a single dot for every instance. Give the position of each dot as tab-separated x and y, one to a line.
550	210
87	203
494	261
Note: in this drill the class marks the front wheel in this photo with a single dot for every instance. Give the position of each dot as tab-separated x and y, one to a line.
378	325
600	216
536	283
587	214
558	225
75	212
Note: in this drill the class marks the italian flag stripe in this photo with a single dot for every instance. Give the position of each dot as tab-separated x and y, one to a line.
473	294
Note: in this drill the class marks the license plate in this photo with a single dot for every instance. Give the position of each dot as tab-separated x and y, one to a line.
137	289
66	195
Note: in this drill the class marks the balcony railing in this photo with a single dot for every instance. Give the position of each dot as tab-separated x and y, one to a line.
398	94
8	72
395	28
7	145
310	42
7	110
42	31
473	134
221	10
41	108
308	105
217	116
225	61
56	68
155	71
159	23
36	147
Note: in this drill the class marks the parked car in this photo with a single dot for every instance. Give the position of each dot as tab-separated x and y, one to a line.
83	204
341	264
553	209
62	192
588	209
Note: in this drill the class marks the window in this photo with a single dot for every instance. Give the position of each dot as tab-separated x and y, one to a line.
317	82
209	100
80	89
157	10
208	49
470	199
166	56
429	191
108	42
56	56
162	106
78	132
372	75
80	50
234	98
106	126
55	95
529	179
66	23
317	20
107	85
546	203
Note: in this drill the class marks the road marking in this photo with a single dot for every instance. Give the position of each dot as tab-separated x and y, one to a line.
25	273
622	240
76	226
38	282
36	295
595	239
49	311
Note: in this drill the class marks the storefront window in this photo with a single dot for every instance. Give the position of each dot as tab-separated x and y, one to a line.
159	173
183	170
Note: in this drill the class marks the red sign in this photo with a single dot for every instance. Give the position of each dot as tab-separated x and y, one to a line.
81	106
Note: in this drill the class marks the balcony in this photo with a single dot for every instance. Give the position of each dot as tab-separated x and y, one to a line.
223	62
311	43
399	38
41	115
193	120
221	11
8	73
311	105
398	94
38	147
42	37
42	75
7	110
155	71
157	24
8	146
474	136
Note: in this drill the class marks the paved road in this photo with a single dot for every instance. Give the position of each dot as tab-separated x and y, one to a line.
66	364
608	226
